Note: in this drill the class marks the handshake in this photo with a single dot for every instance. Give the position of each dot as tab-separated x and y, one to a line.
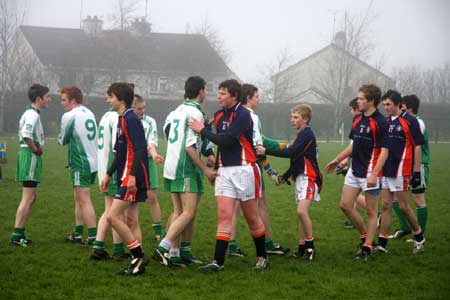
276	179
341	170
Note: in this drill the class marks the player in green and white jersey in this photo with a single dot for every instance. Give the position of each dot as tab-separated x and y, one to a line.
151	136
411	104
79	131
29	161
183	168
106	139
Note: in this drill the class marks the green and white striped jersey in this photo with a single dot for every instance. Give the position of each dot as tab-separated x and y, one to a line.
425	147
150	130
257	130
178	163
79	131
106	139
30	126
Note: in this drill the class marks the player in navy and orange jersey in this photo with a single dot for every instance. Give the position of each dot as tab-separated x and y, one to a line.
304	169
369	151
131	165
402	166
238	175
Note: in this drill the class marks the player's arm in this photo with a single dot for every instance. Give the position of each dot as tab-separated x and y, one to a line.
66	129
27	134
269	143
347	152
193	154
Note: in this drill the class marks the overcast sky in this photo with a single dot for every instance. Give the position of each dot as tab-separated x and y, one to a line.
406	32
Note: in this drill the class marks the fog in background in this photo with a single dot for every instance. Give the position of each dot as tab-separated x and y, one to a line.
404	32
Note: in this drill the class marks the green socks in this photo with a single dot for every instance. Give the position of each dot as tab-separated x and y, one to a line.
118	249
232	246
401	217
99	246
185	249
422	216
17	234
157	228
92	233
78	231
270	245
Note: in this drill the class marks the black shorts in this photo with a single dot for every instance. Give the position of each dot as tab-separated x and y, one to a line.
29	184
139	196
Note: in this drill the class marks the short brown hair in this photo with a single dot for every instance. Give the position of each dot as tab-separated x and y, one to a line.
138	98
371	92
73	92
303	110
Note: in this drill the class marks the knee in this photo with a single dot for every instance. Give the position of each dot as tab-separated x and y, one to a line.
346	208
387	205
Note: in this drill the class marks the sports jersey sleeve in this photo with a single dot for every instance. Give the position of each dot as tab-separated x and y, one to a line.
66	129
300	145
29	125
257	131
422	125
191	135
272	144
113	129
152	137
416	133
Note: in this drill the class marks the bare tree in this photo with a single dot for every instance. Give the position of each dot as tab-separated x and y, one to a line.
352	44
212	33
10	19
124	13
276	88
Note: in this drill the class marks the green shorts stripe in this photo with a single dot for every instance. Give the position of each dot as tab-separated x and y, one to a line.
29	165
185	185
153	174
82	179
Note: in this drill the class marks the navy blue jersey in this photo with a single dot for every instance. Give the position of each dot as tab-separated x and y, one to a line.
131	138
369	135
303	154
237	123
404	135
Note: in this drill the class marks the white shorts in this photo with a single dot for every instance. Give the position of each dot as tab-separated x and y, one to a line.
305	189
239	182
396	184
361	183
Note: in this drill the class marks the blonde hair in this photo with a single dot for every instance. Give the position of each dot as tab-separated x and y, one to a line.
303	110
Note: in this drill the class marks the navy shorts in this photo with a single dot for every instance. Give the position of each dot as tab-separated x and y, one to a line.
140	195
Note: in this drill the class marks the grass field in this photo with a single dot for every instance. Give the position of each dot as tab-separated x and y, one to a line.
53	269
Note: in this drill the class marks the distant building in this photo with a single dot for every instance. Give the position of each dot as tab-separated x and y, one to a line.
157	63
328	76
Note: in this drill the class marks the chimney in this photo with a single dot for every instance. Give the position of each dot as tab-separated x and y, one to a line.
340	40
92	26
140	27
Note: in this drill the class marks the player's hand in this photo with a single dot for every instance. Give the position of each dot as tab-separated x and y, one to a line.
158	159
211	175
260	150
211	161
131	186
104	184
372	181
331	166
275	179
196	125
38	151
416	180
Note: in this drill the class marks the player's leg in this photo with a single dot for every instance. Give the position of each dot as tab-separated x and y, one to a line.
83	198
132	221
186	240
386	219
306	228
257	231
372	215
412	220
155	213
233	248
161	252
348	198
23	211
419	199
99	252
